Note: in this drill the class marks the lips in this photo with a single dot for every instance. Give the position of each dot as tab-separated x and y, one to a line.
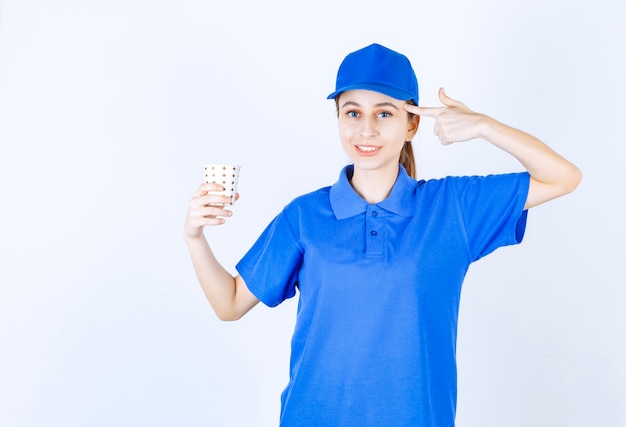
367	149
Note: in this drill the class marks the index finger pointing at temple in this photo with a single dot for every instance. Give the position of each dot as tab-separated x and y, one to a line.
424	111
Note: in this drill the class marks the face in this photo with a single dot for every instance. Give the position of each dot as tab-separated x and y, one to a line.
373	129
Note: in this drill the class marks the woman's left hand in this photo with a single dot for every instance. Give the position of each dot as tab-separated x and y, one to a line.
454	122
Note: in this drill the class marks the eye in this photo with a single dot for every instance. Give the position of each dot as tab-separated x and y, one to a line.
352	114
384	114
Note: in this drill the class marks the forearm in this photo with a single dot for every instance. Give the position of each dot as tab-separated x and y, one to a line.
217	283
543	163
551	174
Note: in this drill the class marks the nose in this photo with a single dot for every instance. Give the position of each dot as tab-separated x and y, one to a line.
368	128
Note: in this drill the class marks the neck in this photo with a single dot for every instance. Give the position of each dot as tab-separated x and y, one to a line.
374	186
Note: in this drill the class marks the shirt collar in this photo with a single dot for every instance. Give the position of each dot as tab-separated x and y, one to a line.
345	202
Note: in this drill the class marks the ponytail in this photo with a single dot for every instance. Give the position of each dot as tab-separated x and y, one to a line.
408	160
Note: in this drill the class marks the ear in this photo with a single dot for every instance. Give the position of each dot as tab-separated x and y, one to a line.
414	123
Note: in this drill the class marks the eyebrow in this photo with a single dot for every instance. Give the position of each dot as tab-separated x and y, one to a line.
381	104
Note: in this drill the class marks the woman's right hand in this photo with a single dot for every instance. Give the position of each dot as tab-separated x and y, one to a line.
206	209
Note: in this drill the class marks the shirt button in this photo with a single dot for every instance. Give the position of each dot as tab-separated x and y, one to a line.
375	213
373	232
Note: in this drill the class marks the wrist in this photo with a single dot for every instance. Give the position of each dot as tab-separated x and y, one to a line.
496	132
193	237
488	127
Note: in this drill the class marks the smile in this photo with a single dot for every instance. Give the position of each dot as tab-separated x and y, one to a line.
367	148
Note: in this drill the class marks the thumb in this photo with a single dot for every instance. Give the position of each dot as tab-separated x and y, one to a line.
446	100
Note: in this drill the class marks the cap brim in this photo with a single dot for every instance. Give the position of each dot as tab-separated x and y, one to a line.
384	89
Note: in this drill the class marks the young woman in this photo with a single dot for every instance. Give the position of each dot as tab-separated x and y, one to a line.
378	258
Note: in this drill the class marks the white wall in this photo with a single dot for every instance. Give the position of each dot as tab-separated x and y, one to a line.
108	110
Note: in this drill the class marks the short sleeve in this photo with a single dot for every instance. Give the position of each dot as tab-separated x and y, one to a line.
493	210
270	268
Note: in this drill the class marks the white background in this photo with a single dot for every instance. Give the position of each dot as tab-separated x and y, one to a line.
109	109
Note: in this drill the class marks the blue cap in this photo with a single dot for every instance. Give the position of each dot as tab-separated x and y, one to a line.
380	69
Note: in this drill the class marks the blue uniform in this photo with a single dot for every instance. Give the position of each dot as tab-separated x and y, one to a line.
375	337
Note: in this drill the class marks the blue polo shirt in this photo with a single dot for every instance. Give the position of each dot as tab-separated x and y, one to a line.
379	286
